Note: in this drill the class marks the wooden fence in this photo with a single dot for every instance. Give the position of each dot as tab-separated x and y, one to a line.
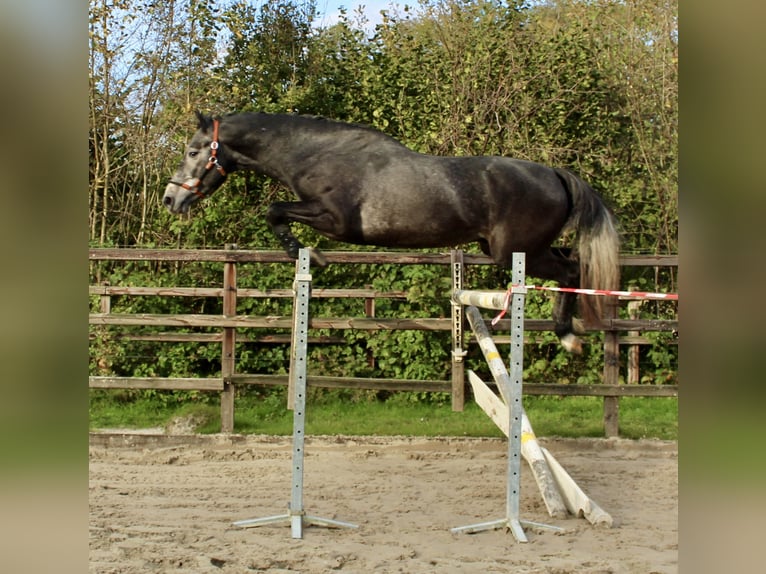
617	332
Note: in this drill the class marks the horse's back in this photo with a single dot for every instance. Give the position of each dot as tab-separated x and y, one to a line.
381	192
415	200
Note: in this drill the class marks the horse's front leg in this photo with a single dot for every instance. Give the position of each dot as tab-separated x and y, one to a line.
278	217
280	225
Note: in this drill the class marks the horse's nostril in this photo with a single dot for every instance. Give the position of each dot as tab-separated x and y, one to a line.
167	201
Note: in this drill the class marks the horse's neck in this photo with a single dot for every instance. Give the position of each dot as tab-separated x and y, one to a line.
286	143
280	145
261	143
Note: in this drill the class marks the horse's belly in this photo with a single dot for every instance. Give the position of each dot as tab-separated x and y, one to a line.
417	206
415	229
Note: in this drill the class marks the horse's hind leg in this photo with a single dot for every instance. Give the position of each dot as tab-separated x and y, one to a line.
566	326
555	265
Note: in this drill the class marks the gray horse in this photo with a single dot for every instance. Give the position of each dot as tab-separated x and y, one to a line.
358	185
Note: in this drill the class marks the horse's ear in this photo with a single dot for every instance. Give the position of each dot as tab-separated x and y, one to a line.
203	122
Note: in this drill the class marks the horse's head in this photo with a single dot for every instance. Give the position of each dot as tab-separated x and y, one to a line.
202	170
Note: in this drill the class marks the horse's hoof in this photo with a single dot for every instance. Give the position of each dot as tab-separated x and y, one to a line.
572	343
317	257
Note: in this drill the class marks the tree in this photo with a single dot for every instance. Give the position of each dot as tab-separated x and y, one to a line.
143	85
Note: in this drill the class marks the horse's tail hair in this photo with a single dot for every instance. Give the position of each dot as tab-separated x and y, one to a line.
598	245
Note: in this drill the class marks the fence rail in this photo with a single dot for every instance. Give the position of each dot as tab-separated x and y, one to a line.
267	256
614	329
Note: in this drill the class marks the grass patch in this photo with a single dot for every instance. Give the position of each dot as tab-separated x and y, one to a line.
400	414
640	417
119	410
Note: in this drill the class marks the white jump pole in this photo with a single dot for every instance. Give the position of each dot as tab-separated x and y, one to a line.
556	485
497	410
296	515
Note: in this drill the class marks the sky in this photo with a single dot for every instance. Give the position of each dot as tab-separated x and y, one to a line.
330	9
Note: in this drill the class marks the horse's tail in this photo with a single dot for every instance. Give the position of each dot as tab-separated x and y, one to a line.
598	244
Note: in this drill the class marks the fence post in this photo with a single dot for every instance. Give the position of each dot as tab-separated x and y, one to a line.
369	312
633	375
458	353
106	300
228	343
611	372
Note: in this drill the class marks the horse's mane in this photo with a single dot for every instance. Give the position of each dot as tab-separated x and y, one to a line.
318	122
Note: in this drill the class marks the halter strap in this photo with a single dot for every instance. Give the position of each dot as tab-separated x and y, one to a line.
213	160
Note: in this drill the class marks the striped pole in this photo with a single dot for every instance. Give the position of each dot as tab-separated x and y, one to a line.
604	292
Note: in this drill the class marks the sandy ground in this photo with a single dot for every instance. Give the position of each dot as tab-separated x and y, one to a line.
167	503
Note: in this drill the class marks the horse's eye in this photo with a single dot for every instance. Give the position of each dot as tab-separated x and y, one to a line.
193	153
